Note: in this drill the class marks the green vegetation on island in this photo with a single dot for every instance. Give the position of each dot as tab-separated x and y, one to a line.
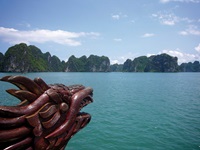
154	63
190	67
91	64
23	58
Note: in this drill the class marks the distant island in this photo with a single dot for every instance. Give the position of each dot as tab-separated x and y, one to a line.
23	58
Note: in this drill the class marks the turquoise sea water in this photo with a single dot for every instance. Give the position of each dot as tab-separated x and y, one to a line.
134	111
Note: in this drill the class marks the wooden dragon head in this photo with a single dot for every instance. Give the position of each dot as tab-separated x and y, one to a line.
47	117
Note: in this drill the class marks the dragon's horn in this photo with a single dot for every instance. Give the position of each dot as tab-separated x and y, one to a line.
23	95
24	83
41	83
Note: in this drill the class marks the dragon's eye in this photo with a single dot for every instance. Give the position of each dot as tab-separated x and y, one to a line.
64	107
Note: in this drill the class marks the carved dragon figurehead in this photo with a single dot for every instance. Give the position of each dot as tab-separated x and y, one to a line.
47	117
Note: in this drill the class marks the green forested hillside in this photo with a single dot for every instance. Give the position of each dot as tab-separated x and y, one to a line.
91	64
23	58
155	63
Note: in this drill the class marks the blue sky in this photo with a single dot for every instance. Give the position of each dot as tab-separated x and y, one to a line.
119	29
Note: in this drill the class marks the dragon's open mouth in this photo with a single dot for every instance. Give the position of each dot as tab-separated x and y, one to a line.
84	118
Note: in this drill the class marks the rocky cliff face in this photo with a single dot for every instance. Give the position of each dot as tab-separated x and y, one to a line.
23	58
97	64
162	63
16	59
137	65
91	64
156	63
1	61
190	67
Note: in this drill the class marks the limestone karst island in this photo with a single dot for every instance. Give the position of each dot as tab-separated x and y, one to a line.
24	58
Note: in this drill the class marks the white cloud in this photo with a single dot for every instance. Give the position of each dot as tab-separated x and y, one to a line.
191	30
15	36
118	16
117	39
166	18
170	19
183	33
154	15
119	60
150	54
122	59
187	1
132	21
182	57
148	35
187	20
24	24
169	22
164	1
197	48
114	62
